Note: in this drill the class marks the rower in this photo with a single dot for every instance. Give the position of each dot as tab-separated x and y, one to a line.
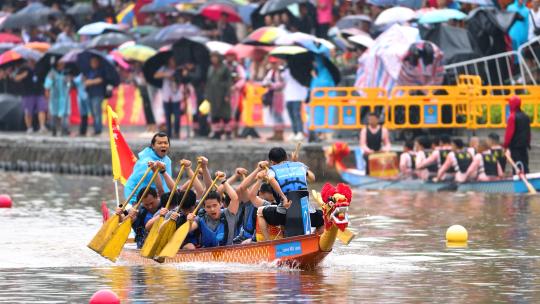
422	146
459	159
473	145
150	206
497	149
484	166
216	224
439	155
407	161
157	151
269	211
373	138
188	206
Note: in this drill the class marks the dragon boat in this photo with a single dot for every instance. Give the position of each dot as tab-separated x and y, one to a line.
337	153
301	251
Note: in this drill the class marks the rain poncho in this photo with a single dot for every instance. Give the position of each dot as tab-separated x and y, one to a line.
140	167
58	87
520	30
323	77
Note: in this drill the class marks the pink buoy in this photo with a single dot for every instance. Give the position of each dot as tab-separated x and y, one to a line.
5	201
104	297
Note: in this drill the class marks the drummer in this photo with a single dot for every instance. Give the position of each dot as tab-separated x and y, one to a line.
374	138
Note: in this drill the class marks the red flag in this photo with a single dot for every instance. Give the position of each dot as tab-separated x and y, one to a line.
123	158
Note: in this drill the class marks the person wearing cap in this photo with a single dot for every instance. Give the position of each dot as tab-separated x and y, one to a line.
517	138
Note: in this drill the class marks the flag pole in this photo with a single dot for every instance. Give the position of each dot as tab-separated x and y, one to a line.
116	191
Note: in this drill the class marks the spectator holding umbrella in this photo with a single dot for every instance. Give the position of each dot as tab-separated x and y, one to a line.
239	81
218	86
171	94
324	17
520	29
57	85
96	89
32	96
274	83
225	31
67	34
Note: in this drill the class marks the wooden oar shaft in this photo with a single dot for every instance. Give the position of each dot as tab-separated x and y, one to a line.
136	188
206	194
520	174
176	182
136	206
184	197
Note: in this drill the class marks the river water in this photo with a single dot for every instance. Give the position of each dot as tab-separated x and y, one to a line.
399	255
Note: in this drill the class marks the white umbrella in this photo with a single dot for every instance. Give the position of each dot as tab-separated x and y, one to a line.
220	47
396	14
294	38
97	28
363	40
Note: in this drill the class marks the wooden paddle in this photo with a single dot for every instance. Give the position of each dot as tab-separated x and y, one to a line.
113	246
146	250
108	227
520	173
181	233
167	228
296	153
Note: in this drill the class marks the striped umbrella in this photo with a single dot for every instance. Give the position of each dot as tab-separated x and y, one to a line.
264	36
127	15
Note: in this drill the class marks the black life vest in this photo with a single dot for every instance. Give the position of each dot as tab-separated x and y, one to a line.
374	140
413	160
498	153
433	168
443	154
490	165
522	131
464	160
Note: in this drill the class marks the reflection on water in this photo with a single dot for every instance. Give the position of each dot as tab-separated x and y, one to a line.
399	254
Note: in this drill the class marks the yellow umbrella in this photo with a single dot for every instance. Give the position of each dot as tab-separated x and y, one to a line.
287	50
137	52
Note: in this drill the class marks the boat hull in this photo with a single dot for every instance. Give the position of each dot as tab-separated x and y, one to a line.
301	251
514	185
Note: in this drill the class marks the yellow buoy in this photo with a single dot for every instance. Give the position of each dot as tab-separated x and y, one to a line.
456	236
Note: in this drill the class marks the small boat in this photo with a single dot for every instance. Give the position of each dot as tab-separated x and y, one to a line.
355	177
303	251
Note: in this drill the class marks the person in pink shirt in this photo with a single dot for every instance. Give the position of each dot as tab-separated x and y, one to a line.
324	17
484	166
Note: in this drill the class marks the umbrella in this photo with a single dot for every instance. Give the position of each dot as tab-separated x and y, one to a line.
272	6
422	65
246	51
456	43
219	47
27	53
286	51
54	53
158	7
191	50
119	59
353	21
441	15
214	11
143	30
34	14
478	2
9	38
363	40
109	40
80	9
310	42
153	64
395	15
63	48
137	52
10	57
108	69
38	46
11	113
264	36
4	47
298	58
97	28
172	33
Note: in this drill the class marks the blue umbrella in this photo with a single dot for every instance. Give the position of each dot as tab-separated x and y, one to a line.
175	32
478	2
441	15
315	47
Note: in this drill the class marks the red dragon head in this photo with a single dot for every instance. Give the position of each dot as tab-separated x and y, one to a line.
336	204
335	155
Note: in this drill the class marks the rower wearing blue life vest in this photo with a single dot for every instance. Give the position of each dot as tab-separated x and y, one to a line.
459	159
150	205
216	224
158	150
192	239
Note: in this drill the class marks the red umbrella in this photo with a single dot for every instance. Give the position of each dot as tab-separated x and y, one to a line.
215	10
9	56
9	38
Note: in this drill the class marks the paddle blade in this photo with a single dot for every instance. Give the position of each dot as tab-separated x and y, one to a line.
104	233
345	236
112	248
176	241
165	234
146	250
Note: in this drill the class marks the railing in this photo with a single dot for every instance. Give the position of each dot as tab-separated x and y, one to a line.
466	105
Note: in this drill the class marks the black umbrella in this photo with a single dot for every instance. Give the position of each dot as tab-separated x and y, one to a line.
34	14
153	64
272	6
109	40
11	113
107	67
192	50
353	21
53	55
157	7
300	67
172	33
456	43
80	9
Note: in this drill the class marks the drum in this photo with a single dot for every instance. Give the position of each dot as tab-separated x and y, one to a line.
383	164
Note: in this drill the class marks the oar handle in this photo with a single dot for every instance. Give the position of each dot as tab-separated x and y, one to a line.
206	194
176	182
296	151
184	197
146	190
136	188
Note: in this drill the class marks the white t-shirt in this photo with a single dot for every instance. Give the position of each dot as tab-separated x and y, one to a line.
293	90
